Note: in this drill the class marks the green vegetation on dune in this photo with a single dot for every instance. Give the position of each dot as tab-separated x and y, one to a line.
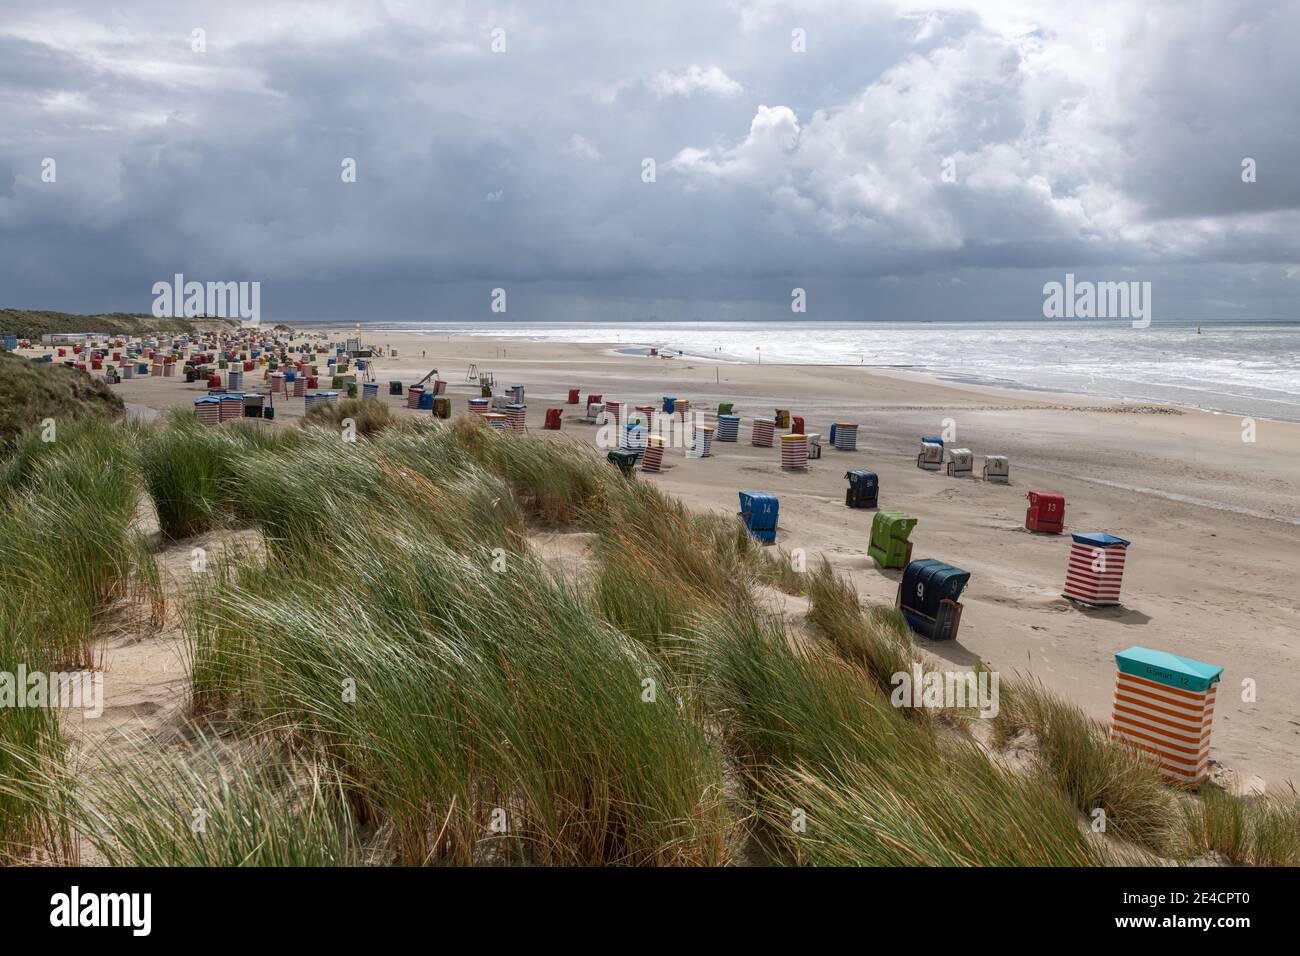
31	392
33	323
399	678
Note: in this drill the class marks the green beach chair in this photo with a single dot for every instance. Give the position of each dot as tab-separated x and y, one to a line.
889	546
724	408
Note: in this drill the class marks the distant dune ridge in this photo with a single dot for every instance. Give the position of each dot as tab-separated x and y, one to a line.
33	323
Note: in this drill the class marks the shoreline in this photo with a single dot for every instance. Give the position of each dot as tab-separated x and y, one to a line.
939	375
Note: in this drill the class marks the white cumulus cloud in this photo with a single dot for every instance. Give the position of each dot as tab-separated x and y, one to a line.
694	79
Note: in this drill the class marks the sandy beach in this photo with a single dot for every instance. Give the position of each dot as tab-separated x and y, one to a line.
1212	519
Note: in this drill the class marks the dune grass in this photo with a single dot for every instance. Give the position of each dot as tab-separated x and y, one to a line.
878	640
368	416
30	830
414	670
249	805
68	551
68	544
1251	831
32	393
186	470
1092	770
554	479
450	678
401	680
839	777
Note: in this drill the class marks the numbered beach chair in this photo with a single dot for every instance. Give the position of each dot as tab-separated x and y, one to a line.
961	463
997	469
931	456
927	596
1046	512
1164	706
624	459
889	546
863	489
758	510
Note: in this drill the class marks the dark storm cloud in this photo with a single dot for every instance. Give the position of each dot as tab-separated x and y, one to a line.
1110	146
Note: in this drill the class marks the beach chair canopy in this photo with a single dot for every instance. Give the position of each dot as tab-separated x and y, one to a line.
1100	539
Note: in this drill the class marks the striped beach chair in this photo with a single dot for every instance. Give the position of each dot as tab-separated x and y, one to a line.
1164	706
1096	568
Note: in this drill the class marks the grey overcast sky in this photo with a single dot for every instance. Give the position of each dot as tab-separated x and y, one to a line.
1105	139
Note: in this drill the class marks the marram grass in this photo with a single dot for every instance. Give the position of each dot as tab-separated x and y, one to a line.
400	679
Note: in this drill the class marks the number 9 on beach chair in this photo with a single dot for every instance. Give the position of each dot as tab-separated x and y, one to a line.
927	596
889	546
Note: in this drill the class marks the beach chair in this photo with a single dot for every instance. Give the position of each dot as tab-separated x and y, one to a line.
1095	571
961	463
927	596
931	456
997	468
624	458
1046	512
889	546
863	489
724	408
1152	686
814	445
758	510
844	436
633	438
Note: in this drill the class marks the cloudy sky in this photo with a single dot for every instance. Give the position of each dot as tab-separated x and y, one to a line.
910	161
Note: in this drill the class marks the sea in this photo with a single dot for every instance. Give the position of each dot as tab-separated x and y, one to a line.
1236	368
